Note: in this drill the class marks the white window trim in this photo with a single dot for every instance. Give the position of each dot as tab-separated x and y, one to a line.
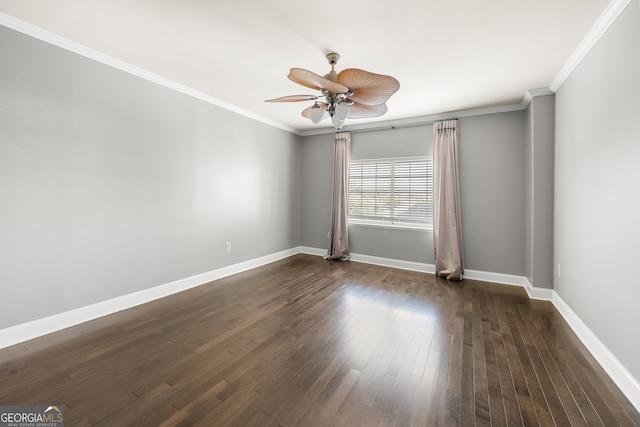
422	226
397	225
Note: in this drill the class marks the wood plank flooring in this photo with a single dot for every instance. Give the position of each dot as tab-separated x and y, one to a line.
309	342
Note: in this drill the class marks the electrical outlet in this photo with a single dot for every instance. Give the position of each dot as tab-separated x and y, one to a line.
328	235
559	270
228	247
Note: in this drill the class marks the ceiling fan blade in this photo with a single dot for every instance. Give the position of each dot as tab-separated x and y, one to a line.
314	81
362	111
306	113
368	88
293	98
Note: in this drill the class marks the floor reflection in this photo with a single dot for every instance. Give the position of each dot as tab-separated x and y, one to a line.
378	324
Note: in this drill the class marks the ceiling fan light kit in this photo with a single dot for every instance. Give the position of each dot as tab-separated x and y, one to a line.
351	93
317	113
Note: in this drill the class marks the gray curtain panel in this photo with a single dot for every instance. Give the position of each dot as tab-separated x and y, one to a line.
338	235
447	223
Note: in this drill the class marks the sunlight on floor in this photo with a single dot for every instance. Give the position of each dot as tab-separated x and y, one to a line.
380	321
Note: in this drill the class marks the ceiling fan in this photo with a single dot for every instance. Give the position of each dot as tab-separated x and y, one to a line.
351	93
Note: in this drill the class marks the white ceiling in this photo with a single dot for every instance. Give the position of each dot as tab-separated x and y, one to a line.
448	55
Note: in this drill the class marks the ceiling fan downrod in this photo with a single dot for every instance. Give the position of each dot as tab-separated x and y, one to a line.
332	58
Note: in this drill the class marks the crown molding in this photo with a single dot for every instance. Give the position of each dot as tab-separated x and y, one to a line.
416	121
595	33
61	42
64	43
603	23
532	93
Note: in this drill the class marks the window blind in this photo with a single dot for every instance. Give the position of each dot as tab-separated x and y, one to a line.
392	190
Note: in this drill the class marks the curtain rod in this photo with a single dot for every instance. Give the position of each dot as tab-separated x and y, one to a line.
418	121
396	126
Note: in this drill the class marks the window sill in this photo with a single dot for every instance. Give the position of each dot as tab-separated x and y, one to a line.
389	225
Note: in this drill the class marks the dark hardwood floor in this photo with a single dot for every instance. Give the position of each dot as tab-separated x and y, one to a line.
308	342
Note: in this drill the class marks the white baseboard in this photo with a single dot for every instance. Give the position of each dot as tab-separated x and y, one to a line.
612	366
34	329
486	276
538	293
395	263
37	328
369	259
312	251
626	382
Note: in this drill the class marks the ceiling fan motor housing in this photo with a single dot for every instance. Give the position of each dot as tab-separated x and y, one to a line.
332	58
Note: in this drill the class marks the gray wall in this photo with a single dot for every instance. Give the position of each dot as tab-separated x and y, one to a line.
492	184
110	184
317	167
492	162
597	191
539	132
408	245
317	152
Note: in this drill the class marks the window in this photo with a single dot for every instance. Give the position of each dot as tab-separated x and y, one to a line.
391	191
